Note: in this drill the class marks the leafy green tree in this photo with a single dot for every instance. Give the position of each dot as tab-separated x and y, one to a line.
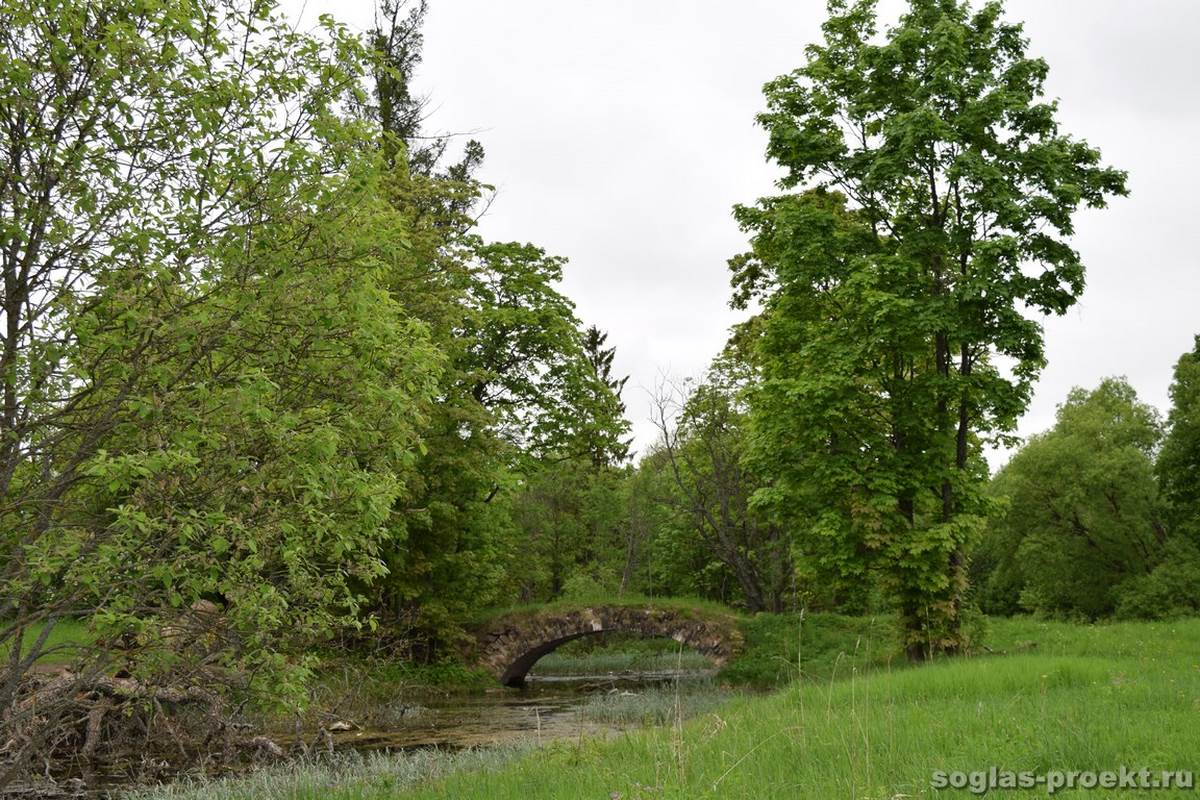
1082	509
516	388
208	393
571	509
518	392
934	222
1179	461
570	516
1172	589
525	348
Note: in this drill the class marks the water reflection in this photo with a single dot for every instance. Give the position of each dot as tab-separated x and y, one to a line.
549	707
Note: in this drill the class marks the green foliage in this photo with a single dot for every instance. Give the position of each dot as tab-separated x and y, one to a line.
934	219
584	586
264	378
1082	511
211	395
711	541
1172	589
781	648
653	706
517	392
569	514
689	607
1178	463
608	448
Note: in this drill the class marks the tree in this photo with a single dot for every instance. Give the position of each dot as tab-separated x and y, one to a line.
571	518
515	388
1082	509
397	40
517	396
607	448
1178	464
936	219
701	446
208	395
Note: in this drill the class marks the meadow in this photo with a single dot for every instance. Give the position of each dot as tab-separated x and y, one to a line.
1043	696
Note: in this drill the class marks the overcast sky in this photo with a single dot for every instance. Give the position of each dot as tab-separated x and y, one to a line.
620	133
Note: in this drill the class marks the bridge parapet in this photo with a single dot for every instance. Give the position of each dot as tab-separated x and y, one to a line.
510	645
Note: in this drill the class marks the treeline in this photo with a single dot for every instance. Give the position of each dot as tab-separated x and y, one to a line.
1101	514
679	523
1098	517
257	361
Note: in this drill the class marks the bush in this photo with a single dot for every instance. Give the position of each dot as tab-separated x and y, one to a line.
585	587
1172	589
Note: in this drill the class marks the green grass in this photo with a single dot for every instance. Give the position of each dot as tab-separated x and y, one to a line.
781	647
661	705
592	655
1064	697
61	646
831	643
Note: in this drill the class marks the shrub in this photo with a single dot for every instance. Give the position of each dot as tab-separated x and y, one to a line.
1172	589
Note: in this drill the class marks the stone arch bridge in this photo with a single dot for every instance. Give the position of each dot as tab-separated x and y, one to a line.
508	646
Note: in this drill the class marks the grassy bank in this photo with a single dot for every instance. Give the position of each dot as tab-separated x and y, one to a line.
381	774
780	648
61	645
1054	697
618	653
656	706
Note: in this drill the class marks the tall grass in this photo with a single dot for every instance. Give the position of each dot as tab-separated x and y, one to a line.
781	648
375	774
1053	696
1065	698
660	705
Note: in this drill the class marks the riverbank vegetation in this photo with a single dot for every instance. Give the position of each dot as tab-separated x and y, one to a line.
1049	696
1061	697
620	653
301	779
279	425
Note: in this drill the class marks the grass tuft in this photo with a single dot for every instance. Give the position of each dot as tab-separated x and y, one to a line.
370	775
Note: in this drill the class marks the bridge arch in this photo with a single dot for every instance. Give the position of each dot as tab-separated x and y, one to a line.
510	645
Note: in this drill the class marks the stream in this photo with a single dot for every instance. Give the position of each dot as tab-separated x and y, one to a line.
549	707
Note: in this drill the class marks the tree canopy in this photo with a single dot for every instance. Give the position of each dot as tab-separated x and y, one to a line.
932	223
